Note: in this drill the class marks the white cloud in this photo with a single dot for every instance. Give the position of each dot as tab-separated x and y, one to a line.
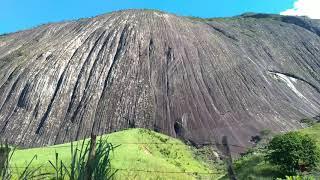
310	8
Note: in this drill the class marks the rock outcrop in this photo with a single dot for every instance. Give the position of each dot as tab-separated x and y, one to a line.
198	79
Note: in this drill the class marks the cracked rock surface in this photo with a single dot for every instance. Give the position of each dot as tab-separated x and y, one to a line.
191	78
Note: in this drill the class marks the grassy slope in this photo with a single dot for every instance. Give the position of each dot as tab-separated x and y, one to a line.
169	156
314	132
253	166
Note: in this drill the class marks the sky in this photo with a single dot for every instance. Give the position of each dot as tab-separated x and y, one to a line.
18	15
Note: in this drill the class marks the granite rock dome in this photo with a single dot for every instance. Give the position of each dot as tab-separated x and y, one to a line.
198	79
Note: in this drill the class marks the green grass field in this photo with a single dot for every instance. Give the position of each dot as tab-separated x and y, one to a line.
142	154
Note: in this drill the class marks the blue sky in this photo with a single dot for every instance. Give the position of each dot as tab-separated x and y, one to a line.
22	14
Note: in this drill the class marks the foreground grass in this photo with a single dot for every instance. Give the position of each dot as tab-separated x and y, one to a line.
142	154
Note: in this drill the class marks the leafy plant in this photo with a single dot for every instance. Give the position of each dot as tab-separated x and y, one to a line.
83	165
293	152
59	168
298	178
6	170
32	173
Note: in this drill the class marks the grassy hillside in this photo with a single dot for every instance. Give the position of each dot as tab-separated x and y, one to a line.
314	132
142	154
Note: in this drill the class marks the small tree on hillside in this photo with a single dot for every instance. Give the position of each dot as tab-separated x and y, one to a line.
293	152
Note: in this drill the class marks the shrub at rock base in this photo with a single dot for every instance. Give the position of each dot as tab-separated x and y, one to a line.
293	152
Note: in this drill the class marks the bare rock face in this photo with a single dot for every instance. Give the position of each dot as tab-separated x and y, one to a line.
193	78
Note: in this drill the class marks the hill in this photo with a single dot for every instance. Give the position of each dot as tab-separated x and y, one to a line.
142	154
184	77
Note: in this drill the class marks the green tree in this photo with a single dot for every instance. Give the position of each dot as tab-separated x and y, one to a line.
293	152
